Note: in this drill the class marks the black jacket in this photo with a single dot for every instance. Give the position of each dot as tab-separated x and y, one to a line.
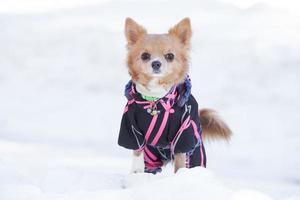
182	130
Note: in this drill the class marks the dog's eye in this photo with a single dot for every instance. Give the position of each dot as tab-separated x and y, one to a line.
145	56
169	57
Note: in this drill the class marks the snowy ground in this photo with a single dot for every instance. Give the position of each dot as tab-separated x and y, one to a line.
62	74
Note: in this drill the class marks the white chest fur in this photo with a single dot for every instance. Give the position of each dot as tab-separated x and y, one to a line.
153	89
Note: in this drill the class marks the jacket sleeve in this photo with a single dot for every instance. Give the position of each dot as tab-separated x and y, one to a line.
130	136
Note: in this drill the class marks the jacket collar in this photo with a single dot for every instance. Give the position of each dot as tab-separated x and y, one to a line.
183	92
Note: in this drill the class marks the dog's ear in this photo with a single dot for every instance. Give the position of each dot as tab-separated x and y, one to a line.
182	31
133	31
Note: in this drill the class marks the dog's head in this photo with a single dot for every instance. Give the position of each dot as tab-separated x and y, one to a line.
163	57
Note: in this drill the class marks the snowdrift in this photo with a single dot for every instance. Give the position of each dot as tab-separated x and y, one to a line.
196	183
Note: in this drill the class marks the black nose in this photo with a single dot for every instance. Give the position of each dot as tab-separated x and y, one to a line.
156	65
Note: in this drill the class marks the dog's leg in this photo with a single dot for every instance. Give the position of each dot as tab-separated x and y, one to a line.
179	161
137	162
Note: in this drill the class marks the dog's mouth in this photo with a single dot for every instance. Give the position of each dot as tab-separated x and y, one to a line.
156	71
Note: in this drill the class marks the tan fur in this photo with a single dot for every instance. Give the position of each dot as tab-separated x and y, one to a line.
137	153
179	161
176	41
213	126
133	31
183	32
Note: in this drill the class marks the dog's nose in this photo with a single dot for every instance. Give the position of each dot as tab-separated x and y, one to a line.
156	65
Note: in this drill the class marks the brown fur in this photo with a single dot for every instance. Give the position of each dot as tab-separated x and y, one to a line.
213	126
176	41
179	161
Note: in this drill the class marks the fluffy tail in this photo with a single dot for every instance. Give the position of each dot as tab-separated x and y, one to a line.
213	127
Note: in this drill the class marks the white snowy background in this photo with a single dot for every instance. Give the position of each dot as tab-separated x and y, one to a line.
62	74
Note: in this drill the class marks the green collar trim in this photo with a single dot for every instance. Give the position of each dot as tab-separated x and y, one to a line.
148	98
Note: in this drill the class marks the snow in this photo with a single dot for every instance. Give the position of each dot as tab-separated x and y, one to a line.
62	74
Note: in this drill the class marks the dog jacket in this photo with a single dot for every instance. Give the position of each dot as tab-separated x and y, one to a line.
164	127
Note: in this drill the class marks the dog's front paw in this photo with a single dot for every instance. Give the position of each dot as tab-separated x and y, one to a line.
137	165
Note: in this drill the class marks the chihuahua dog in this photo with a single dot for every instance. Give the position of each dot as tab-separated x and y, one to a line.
161	121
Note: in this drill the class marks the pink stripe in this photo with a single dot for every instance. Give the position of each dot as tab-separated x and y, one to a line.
161	128
171	96
150	162
166	106
148	106
131	101
151	155
151	127
201	157
184	125
182	128
126	107
163	123
142	102
197	135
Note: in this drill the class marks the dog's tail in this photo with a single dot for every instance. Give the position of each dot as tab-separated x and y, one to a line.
213	127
